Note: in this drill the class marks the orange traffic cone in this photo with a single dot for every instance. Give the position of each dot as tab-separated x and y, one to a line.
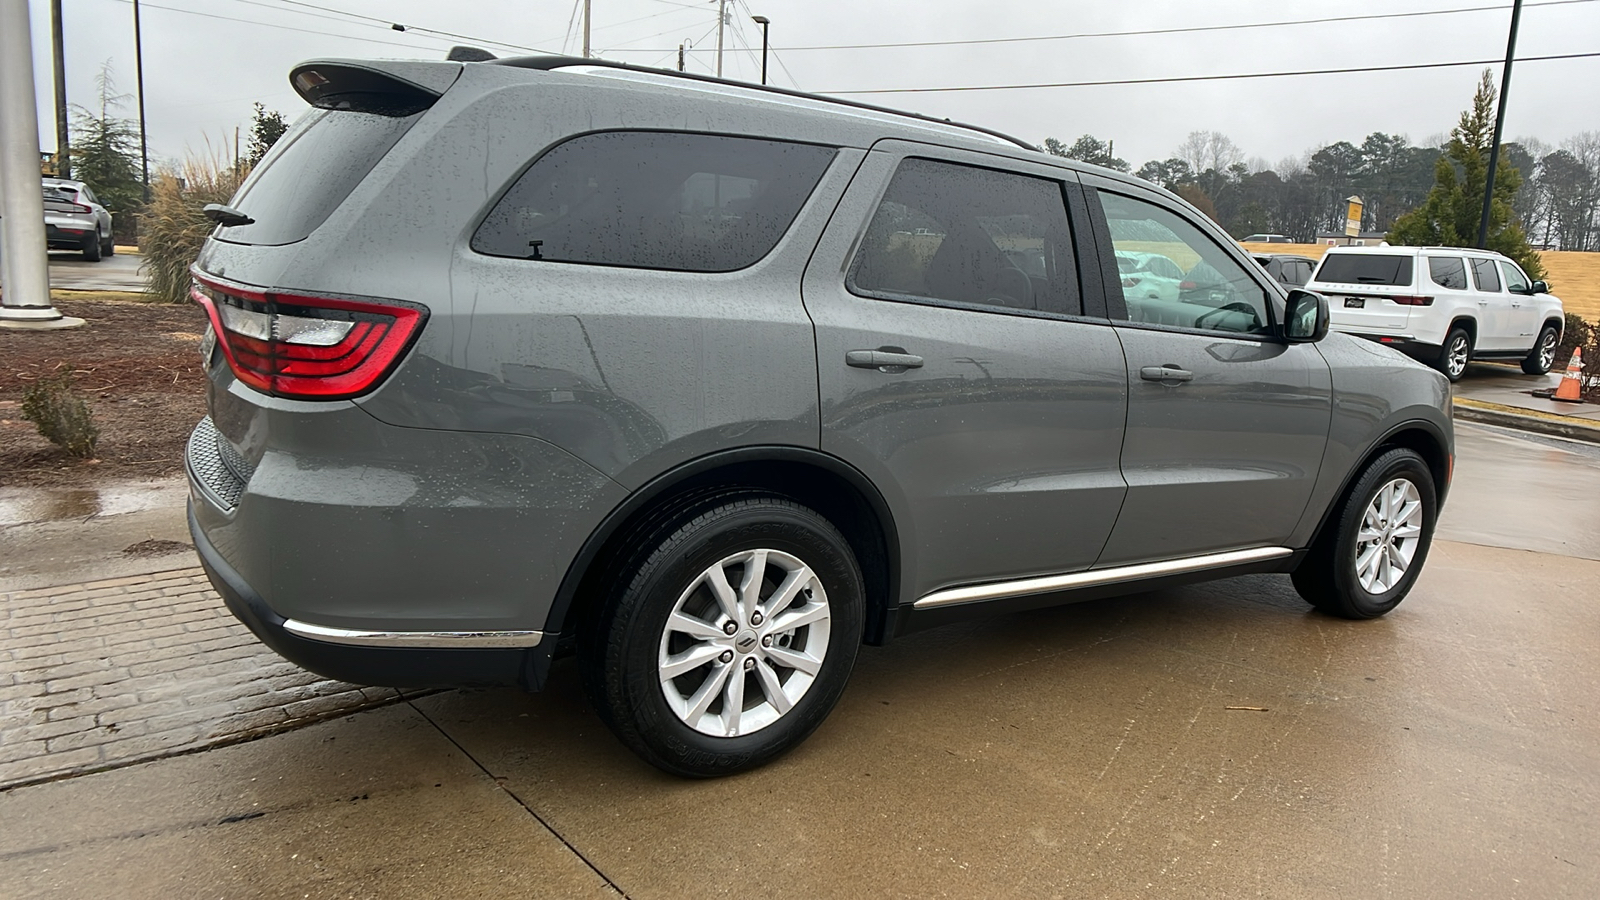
1571	388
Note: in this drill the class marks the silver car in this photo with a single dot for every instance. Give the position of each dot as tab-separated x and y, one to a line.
710	384
75	220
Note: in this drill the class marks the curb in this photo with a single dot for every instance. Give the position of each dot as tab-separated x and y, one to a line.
1508	417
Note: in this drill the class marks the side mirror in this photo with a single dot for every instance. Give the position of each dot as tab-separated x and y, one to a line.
1539	287
1306	317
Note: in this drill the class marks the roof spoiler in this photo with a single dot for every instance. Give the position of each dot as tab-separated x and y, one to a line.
384	88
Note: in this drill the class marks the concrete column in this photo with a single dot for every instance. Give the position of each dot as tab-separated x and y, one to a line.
25	297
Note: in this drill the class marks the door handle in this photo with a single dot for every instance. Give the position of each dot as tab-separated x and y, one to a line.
1165	373
884	359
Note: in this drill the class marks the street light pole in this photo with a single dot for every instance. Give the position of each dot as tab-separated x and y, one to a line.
763	21
138	65
25	303
58	46
1499	124
586	14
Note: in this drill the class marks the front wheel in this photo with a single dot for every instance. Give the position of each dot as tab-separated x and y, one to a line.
728	637
1371	551
1543	354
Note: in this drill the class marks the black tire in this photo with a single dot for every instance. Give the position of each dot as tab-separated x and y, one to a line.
92	247
621	642
1327	577
109	248
1543	355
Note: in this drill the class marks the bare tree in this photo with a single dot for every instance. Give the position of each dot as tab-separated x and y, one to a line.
1209	151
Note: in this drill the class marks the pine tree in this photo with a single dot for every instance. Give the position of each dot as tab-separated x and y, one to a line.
105	153
1450	215
265	129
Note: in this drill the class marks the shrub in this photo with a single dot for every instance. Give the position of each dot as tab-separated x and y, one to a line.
54	407
173	228
1575	333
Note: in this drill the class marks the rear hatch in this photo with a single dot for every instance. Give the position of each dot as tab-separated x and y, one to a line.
63	201
304	344
1369	292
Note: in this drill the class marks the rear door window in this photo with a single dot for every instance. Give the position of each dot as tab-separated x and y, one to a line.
310	171
1448	272
1362	268
968	235
655	200
1484	276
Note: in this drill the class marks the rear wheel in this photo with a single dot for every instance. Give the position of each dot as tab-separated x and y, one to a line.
1368	557
92	246
1454	354
1543	354
728	637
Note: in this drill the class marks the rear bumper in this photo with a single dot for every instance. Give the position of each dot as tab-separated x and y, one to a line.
68	235
386	666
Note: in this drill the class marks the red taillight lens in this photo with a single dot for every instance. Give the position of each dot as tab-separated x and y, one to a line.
313	348
1187	285
1413	301
80	208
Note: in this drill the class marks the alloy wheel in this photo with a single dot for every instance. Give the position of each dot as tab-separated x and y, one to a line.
744	643
1391	532
1547	350
1458	351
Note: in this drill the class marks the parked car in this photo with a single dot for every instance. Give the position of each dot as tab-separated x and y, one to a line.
712	383
1266	239
75	220
1288	269
1149	274
1421	301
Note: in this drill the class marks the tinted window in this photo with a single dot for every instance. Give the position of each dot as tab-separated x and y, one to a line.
1211	290
969	235
1448	272
309	172
1366	268
1301	273
1484	275
655	200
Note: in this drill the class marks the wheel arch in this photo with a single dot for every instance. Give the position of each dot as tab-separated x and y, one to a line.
832	487
1425	437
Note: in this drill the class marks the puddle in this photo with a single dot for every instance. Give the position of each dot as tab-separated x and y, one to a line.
24	505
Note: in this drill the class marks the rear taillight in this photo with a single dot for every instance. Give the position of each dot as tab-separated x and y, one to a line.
80	208
1187	285
1413	301
299	346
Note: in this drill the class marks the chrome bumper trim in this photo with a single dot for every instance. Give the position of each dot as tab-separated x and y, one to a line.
1092	577
438	640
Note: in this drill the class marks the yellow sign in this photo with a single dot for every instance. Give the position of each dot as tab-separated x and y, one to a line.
1352	217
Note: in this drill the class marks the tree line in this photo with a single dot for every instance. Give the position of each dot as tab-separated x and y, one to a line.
1553	196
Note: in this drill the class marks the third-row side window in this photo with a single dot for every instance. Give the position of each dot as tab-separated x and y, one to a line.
655	200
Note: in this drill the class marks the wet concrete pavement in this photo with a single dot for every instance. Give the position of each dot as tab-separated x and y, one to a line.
72	272
1450	749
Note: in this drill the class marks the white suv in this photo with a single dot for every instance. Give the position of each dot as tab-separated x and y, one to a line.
1442	305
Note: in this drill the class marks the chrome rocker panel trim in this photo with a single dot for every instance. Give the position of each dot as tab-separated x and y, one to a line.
1046	584
441	640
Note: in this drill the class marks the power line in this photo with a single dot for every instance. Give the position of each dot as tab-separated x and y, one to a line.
390	23
1180	30
1231	77
144	4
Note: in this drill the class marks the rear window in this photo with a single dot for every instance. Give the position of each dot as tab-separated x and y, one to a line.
655	200
310	171
1361	268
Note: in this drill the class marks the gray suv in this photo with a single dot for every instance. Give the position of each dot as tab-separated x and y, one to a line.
710	384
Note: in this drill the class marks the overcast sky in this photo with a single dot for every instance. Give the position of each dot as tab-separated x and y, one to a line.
206	61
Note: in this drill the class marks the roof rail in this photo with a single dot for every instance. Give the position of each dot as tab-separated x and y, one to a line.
546	63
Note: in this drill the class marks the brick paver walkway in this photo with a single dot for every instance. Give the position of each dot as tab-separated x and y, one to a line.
113	672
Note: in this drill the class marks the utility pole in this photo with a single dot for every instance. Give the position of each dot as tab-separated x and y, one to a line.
722	18
763	21
58	44
587	12
1499	123
25	303
138	65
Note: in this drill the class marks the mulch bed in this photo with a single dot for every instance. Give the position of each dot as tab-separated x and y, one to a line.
137	365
